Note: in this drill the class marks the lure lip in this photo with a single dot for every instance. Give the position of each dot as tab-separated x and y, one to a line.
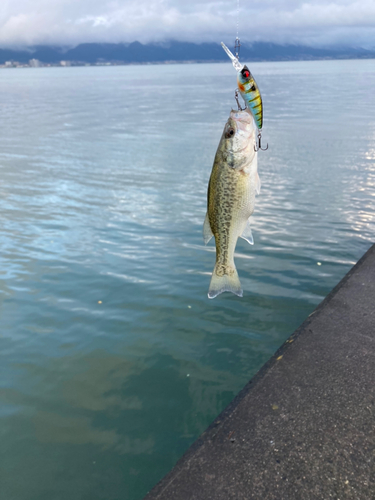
236	63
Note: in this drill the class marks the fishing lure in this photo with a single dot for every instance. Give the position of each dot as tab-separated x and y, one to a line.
248	88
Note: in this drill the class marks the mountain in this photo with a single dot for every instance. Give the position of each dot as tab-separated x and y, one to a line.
136	52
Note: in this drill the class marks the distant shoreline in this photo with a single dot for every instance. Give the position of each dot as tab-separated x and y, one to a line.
105	54
76	64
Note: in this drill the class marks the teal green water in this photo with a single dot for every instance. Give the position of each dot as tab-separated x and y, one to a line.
113	359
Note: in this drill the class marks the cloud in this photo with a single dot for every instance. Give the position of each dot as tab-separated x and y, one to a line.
70	22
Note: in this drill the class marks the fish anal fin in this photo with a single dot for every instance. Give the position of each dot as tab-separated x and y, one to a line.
207	232
247	234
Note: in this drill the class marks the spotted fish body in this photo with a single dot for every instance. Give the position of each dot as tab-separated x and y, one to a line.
251	95
232	187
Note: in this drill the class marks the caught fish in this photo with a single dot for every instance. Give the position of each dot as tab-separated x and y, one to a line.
231	193
248	88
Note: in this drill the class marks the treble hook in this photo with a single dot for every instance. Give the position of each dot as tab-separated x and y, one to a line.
259	145
238	102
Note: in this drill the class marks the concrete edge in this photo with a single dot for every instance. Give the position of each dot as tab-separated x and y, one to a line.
214	427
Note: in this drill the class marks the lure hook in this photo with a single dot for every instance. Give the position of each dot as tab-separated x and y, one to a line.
259	143
238	102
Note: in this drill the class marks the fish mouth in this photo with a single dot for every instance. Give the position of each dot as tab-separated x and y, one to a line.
243	119
244	124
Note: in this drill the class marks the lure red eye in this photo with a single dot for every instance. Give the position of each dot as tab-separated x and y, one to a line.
246	74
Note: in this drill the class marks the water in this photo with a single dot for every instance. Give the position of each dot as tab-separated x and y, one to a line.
113	358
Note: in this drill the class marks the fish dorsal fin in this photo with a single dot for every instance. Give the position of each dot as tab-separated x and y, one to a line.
247	234
257	184
207	233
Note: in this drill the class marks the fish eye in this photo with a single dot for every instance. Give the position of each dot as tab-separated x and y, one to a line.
245	73
230	133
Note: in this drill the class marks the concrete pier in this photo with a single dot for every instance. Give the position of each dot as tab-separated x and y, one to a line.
304	427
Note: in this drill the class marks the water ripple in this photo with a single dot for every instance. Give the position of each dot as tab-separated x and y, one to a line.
114	359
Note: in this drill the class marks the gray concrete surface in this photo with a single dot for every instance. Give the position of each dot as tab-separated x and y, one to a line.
304	427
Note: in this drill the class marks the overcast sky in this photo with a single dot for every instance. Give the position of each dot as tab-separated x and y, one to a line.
70	22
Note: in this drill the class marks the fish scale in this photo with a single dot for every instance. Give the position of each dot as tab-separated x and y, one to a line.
222	211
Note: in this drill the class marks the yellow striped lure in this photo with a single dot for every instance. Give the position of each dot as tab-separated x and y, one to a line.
249	91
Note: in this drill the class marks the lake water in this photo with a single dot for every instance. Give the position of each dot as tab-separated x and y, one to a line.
113	359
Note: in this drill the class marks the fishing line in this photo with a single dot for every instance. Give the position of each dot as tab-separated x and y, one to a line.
238	14
237	43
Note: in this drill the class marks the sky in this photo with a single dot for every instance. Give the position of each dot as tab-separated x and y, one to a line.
320	23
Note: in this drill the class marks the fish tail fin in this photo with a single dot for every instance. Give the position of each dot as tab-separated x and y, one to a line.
224	279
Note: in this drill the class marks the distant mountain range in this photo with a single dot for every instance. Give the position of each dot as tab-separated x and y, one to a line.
135	52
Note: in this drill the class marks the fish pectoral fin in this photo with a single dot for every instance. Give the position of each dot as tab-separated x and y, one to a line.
247	234
207	232
257	184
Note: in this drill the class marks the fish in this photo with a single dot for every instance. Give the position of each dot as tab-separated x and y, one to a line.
248	88
232	187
